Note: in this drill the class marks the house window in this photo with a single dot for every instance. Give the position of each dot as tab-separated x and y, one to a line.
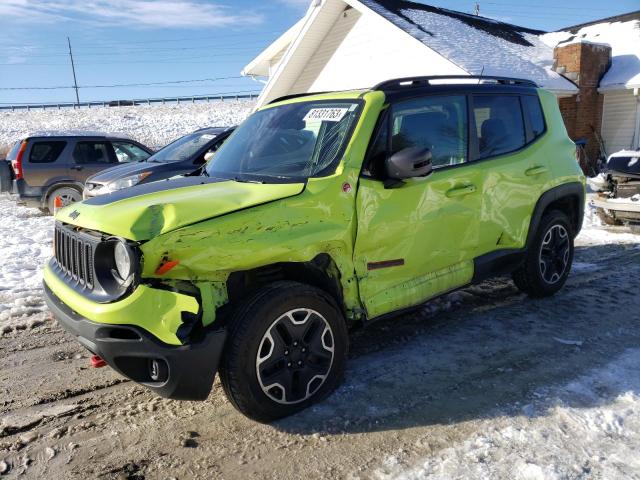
499	124
438	123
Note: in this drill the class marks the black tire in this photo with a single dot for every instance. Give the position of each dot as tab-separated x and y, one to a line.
258	336
69	195
6	178
548	259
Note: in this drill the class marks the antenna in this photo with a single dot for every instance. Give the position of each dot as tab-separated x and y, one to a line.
480	77
73	69
476	9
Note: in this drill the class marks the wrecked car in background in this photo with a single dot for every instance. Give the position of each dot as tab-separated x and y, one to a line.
617	199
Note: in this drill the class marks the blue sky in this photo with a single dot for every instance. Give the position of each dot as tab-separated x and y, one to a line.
124	42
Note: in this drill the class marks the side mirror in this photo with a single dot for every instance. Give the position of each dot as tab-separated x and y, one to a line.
408	163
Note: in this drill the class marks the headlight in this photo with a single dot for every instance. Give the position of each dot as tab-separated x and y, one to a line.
127	182
123	257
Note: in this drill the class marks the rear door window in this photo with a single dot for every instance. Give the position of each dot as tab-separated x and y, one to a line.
499	124
533	111
46	152
129	152
87	153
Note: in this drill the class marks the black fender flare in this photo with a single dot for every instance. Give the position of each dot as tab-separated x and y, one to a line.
574	191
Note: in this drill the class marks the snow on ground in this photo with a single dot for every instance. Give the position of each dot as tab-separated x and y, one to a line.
25	244
153	125
558	435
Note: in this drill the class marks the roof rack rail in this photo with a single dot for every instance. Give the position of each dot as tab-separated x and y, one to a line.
397	83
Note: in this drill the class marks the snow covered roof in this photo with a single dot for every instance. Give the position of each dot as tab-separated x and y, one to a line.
622	34
477	44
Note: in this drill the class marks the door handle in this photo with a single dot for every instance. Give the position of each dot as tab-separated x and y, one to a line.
461	191
77	167
532	172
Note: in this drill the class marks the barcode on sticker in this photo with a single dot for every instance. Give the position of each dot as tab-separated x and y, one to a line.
326	114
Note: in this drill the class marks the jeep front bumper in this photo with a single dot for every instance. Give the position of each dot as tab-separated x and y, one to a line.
172	370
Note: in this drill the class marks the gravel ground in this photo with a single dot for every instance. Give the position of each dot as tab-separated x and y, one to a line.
484	383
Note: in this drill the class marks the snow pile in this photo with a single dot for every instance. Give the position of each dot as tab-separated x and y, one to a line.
25	242
624	39
152	125
594	232
560	434
490	47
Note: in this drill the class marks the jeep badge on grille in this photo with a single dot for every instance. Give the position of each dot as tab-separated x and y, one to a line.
75	214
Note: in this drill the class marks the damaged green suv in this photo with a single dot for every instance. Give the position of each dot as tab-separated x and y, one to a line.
320	211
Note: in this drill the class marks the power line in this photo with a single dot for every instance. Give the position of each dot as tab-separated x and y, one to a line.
126	84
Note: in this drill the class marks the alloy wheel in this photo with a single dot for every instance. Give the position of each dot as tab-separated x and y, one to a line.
295	356
554	254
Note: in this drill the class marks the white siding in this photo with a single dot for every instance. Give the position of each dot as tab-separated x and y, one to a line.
371	50
619	120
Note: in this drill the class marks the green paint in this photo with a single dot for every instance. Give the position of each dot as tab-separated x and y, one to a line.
216	229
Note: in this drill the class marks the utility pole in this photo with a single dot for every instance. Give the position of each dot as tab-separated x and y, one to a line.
476	10
73	69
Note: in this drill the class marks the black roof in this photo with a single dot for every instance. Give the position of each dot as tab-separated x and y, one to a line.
624	17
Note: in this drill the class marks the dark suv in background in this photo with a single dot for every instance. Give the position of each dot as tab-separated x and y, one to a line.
181	157
47	165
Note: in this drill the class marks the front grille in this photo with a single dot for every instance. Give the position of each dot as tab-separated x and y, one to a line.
74	255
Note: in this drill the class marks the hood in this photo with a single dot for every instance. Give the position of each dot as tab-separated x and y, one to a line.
146	211
121	171
624	163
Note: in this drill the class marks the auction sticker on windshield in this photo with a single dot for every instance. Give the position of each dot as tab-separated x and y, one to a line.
326	114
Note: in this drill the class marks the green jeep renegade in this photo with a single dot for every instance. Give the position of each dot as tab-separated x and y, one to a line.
320	211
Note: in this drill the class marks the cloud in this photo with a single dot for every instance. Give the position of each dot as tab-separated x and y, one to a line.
130	13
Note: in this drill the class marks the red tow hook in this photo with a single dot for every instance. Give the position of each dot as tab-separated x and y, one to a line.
97	362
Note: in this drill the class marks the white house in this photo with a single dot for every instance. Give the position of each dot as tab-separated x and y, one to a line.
344	44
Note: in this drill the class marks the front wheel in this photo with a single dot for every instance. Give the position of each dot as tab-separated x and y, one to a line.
548	259
286	350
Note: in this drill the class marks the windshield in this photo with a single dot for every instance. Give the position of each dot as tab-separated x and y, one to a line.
183	148
289	142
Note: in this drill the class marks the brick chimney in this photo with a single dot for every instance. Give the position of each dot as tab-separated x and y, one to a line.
585	64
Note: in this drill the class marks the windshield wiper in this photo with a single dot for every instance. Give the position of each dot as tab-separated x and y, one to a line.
244	180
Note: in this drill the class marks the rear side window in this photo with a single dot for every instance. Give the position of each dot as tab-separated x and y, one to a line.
499	124
92	152
435	122
533	111
46	152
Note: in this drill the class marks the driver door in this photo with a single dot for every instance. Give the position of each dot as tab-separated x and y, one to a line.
418	239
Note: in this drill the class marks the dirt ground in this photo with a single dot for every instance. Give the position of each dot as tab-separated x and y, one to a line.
459	371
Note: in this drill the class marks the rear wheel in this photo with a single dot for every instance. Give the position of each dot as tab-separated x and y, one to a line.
68	195
549	258
286	351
